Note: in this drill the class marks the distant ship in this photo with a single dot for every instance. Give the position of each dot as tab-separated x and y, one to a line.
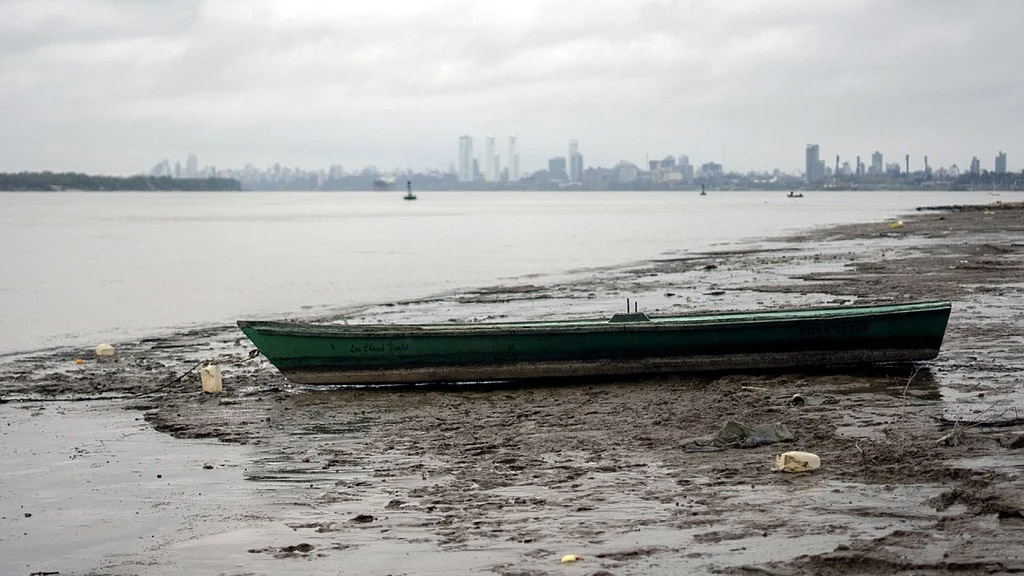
408	191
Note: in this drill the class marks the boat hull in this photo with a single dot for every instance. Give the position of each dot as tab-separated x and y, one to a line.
319	354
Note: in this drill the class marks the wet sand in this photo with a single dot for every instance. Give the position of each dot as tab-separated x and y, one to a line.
920	471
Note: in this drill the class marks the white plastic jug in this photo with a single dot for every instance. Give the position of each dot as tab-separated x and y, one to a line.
210	376
797	462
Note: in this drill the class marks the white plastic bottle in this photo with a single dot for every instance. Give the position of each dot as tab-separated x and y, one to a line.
797	462
210	377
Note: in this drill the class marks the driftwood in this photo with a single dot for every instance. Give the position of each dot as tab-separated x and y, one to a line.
944	423
960	427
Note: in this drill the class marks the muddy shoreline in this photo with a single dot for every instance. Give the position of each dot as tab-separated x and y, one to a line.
920	470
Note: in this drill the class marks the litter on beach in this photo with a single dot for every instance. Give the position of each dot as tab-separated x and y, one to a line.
797	462
739	435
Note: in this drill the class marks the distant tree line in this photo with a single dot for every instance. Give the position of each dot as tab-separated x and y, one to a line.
57	181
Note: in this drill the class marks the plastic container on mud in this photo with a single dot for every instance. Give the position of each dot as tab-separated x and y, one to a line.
797	462
211	379
104	350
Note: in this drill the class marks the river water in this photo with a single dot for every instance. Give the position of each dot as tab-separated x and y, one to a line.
81	268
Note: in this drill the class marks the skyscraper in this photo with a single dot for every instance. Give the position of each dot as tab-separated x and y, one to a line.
685	167
815	168
466	172
1001	162
192	166
575	161
975	166
513	159
877	167
556	168
490	166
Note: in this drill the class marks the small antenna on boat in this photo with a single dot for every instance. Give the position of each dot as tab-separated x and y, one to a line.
627	305
636	307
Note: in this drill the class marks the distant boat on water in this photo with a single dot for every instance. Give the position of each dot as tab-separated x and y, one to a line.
408	191
792	195
702	192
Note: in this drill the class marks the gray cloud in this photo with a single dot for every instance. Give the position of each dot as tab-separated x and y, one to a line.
113	86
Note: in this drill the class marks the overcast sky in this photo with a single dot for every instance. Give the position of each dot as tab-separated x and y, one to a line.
116	86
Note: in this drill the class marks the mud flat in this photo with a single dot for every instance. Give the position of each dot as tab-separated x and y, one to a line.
921	467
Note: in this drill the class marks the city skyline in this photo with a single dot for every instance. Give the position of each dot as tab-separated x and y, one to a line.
487	166
568	171
107	87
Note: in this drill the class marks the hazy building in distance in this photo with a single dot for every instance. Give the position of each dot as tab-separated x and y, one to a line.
162	168
490	173
513	159
192	166
670	171
815	168
1001	162
556	168
626	173
975	166
685	168
713	170
466	171
877	168
575	161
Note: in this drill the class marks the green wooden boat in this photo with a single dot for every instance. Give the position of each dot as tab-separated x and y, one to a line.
622	345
